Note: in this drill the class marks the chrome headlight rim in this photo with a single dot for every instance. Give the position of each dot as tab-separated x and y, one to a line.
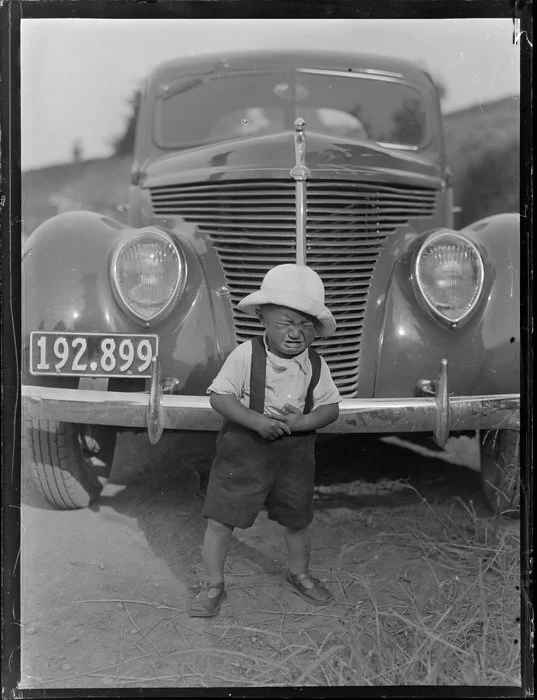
452	322
179	285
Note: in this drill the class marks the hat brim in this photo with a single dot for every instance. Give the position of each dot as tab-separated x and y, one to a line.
325	322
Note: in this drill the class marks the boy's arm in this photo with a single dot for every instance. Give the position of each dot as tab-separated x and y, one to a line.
231	408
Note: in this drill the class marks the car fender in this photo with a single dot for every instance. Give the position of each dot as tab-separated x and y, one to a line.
67	287
483	352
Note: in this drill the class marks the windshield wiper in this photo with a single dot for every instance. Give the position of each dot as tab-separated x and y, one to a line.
186	84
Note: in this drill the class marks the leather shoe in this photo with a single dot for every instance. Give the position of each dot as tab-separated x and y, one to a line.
309	588
204	605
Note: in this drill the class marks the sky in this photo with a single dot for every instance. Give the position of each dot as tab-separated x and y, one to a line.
77	74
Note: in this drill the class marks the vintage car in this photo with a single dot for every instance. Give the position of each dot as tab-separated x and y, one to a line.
332	160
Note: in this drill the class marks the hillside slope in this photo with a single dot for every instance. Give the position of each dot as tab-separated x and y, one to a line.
482	147
483	152
97	185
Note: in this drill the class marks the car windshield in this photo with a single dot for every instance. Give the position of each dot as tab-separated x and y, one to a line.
208	109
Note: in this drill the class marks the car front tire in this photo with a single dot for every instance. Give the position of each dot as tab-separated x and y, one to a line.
67	461
500	470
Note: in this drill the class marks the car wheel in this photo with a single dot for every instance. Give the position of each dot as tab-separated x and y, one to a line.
68	461
500	470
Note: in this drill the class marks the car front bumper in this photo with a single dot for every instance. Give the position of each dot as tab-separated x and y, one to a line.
438	413
420	414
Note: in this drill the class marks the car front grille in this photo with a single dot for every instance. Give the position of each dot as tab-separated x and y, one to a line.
252	226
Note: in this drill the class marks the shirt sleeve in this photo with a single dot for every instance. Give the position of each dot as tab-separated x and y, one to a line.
326	392
231	377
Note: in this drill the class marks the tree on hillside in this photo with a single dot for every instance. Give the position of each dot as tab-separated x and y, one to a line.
124	144
408	122
77	151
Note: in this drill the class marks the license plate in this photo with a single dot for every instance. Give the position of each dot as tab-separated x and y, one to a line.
92	354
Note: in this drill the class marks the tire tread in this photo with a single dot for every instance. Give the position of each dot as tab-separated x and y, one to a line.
58	467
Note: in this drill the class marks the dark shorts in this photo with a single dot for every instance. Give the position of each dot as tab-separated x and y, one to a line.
250	472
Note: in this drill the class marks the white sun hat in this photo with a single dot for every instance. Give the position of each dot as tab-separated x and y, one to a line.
296	286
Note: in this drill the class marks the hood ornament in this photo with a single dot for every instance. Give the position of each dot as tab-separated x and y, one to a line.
300	173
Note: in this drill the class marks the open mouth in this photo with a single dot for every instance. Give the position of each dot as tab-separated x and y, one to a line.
293	345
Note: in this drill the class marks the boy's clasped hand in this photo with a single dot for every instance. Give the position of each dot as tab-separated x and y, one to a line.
289	420
272	428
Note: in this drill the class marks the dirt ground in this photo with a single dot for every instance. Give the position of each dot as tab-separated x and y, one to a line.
105	589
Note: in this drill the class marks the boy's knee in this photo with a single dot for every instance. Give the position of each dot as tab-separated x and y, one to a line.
219	528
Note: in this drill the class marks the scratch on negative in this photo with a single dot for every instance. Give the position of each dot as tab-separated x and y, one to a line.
511	267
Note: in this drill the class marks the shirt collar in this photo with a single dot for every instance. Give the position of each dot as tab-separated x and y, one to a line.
301	359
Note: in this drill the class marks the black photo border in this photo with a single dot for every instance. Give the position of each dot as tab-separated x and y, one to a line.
11	14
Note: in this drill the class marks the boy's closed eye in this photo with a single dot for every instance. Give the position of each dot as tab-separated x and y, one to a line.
307	325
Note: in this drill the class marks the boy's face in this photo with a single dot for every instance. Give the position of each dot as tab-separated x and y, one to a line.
288	332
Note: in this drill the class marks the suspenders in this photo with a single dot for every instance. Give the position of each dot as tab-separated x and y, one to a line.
258	372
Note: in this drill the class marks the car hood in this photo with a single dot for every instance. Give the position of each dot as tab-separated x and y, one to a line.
273	156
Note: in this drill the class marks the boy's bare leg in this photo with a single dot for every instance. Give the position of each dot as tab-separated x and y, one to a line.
298	547
215	549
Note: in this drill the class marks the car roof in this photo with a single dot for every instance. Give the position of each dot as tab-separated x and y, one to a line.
304	58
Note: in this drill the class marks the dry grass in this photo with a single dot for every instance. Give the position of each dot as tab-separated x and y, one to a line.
449	617
459	624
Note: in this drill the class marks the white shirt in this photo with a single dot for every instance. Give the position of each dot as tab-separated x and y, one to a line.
287	380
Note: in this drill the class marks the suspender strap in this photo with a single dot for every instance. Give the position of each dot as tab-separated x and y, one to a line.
315	360
258	372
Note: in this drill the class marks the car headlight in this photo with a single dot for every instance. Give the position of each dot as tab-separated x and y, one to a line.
449	274
148	271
